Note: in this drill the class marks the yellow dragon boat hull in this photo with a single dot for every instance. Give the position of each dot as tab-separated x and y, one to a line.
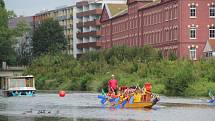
139	105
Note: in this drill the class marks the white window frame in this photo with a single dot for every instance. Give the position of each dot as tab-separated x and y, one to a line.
209	54
212	29
192	7
167	14
212	8
193	53
192	29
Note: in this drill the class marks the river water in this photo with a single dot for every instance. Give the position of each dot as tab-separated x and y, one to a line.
86	107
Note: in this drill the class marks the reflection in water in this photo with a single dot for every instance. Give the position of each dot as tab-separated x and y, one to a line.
22	118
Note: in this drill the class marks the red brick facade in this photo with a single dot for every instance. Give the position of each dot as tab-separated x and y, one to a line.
168	25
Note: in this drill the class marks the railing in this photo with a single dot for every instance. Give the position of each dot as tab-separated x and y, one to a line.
14	68
82	3
86	45
86	34
89	23
97	11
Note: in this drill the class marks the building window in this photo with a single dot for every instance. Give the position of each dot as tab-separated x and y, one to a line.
192	33
209	54
212	11
193	11
193	53
212	32
170	13
166	15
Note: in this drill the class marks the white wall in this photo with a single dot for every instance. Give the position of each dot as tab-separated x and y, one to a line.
213	54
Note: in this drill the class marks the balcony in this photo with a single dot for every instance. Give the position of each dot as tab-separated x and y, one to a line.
89	23
97	11
60	18
81	4
87	45
87	34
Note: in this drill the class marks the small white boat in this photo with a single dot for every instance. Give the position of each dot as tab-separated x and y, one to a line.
17	86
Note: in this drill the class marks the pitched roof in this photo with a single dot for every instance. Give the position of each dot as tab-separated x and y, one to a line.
120	13
116	8
128	1
210	46
155	2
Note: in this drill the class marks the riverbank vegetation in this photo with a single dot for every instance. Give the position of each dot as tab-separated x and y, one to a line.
132	66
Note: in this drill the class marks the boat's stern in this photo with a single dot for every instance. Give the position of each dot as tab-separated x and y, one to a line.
155	99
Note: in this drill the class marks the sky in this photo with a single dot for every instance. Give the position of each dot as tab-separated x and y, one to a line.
31	7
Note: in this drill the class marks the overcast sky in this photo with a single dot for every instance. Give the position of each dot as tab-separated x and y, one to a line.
31	7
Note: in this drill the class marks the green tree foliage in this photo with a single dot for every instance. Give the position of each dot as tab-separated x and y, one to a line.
132	66
177	83
4	18
11	15
48	38
24	39
6	51
2	4
21	28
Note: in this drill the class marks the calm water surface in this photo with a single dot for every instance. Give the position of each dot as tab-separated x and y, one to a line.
86	107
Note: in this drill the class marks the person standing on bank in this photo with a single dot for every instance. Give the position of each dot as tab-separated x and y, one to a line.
112	84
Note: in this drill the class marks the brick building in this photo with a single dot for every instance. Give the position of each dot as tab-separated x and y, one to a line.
179	26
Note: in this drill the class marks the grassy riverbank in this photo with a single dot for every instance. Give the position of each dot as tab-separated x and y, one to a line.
132	66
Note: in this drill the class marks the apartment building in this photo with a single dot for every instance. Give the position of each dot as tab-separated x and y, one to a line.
86	16
64	15
182	27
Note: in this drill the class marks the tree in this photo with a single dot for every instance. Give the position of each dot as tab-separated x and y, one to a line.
6	51
24	39
48	38
3	15
21	28
2	5
11	14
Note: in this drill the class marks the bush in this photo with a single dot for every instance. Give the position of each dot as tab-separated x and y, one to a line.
200	88
132	67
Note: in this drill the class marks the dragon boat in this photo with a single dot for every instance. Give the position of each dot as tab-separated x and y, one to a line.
129	97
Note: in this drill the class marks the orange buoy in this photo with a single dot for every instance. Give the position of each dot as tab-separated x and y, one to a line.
62	93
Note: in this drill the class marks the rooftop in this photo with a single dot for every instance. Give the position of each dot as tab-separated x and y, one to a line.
116	8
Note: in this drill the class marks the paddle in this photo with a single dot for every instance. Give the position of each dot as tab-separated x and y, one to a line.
131	100
116	102
211	95
123	103
211	101
103	93
112	99
103	98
